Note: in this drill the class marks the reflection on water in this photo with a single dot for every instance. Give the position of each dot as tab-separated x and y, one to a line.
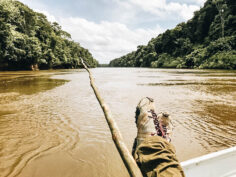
29	85
52	125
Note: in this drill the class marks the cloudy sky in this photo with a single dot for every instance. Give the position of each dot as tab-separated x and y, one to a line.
112	28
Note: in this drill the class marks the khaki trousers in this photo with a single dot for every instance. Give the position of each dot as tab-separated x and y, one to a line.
156	157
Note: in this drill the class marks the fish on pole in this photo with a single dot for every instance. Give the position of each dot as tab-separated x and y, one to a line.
126	156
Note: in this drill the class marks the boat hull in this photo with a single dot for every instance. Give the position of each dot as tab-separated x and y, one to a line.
217	164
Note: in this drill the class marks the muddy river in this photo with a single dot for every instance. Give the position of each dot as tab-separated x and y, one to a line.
51	125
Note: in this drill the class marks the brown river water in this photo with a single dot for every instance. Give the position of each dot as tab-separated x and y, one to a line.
51	125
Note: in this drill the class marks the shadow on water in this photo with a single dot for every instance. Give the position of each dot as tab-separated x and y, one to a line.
29	85
13	85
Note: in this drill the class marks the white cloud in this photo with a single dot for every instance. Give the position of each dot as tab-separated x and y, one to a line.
107	40
200	2
184	10
50	17
165	10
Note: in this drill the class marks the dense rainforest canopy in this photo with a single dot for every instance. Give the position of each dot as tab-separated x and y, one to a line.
208	40
28	40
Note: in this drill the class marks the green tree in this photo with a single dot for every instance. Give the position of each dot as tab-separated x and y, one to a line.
27	38
198	43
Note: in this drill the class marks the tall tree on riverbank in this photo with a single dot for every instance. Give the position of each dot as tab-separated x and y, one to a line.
28	39
208	40
221	7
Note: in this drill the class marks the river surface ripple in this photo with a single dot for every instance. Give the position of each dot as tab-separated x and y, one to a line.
51	125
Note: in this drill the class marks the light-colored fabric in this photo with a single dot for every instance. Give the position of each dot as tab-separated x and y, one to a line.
156	157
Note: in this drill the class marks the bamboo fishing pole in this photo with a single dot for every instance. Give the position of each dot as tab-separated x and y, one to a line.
126	156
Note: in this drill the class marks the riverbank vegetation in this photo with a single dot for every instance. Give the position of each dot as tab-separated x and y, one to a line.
207	41
29	41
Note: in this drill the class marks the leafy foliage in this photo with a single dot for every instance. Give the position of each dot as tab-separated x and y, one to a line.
205	41
28	39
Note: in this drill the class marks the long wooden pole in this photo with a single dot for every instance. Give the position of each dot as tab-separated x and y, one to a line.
126	156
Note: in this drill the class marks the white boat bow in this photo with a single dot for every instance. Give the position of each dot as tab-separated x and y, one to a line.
216	164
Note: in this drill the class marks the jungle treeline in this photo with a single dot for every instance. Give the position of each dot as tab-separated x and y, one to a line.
29	41
207	41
